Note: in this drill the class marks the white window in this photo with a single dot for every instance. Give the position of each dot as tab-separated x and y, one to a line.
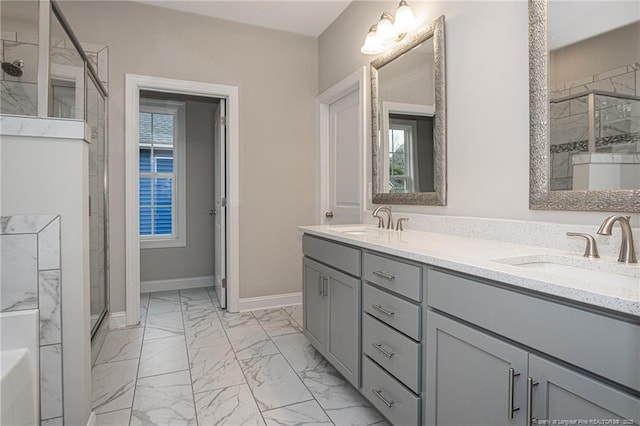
162	164
402	138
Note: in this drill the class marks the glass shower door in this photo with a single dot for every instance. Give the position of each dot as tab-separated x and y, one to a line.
96	119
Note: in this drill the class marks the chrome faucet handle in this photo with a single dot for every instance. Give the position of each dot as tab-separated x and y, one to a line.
591	250
380	221
399	223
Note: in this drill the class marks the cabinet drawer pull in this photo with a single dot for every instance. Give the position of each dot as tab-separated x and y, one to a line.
378	393
512	409
383	310
386	353
384	275
530	385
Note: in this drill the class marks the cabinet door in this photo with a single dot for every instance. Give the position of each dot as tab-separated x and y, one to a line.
468	377
315	307
343	346
565	394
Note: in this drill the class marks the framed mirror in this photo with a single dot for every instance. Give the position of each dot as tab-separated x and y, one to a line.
408	111
584	86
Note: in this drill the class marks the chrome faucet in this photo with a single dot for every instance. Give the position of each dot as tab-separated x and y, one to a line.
380	220
627	251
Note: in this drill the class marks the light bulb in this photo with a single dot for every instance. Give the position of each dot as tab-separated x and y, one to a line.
385	30
372	45
405	20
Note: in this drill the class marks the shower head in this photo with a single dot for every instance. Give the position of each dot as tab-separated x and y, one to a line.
14	69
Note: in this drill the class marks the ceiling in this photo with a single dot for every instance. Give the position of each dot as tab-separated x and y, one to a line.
298	16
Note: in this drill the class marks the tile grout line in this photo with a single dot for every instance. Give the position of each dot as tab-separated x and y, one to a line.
292	369
235	355
135	384
186	348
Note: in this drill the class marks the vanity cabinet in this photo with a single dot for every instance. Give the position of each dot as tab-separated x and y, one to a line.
477	379
432	346
332	303
468	375
481	376
391	337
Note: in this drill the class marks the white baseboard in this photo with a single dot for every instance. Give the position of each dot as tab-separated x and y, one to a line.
273	301
176	284
117	319
93	420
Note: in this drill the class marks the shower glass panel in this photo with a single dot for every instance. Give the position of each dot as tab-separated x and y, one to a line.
595	127
19	54
96	119
66	75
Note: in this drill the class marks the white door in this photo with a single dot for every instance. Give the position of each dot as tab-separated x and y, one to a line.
219	174
344	166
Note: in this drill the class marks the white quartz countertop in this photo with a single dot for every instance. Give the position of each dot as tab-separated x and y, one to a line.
490	260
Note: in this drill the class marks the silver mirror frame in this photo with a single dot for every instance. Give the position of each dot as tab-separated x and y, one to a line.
540	196
433	29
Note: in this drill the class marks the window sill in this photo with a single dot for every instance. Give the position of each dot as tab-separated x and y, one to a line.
169	243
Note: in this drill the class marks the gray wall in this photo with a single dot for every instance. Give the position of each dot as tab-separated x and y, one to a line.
276	73
487	102
614	49
196	259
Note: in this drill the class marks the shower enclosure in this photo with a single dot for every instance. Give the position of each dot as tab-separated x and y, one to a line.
595	141
48	73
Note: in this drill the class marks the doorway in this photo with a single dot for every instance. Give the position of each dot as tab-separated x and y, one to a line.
143	220
182	189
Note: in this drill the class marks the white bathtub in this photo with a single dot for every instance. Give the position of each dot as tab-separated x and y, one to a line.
19	372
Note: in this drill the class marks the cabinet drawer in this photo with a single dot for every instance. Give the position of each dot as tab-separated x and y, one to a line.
399	277
579	337
392	399
341	257
398	313
395	352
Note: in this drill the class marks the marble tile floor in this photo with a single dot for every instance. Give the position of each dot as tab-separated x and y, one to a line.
191	363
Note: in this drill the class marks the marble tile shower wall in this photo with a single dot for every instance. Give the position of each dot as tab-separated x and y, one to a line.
19	95
31	279
569	130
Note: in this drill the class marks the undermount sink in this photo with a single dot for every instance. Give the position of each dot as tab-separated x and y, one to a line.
579	269
353	230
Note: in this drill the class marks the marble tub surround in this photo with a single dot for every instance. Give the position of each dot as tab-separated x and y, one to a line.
486	259
31	279
251	368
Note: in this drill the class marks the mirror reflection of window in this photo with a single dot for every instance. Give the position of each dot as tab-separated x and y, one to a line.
410	153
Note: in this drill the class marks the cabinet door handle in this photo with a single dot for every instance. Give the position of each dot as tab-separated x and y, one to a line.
383	310
384	275
320	282
530	385
386	353
325	286
512	409
378	393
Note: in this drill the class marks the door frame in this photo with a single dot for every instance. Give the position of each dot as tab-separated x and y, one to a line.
355	81
134	83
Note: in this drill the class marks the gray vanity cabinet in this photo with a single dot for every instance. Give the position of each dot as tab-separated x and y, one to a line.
472	376
477	376
561	393
332	304
315	310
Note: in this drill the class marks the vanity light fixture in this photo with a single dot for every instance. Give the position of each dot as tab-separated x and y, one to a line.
389	30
